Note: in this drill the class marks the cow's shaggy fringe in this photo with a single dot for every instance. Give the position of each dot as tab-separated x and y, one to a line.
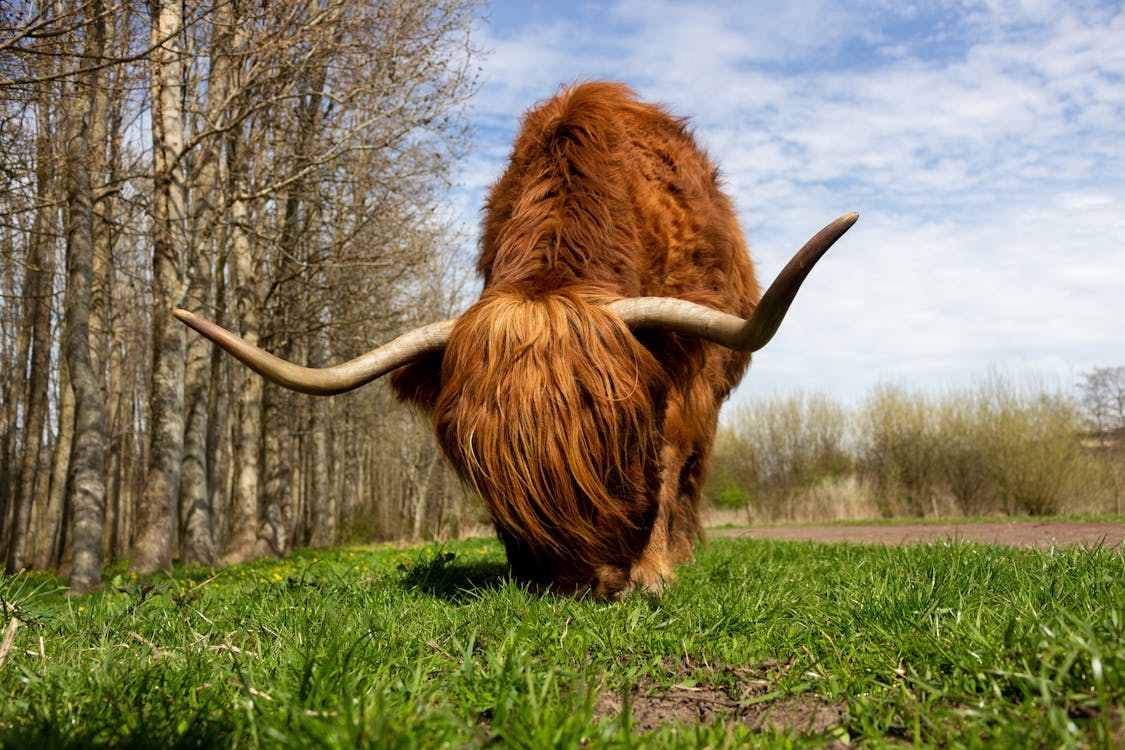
551	409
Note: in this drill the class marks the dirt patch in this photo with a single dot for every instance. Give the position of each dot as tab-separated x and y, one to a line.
1014	533
706	694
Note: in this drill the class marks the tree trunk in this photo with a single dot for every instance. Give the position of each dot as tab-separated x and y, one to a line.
87	479
241	544
325	509
50	527
219	407
195	499
276	498
14	512
40	269
106	309
156	522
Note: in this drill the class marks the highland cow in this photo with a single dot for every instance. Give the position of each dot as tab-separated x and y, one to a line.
579	396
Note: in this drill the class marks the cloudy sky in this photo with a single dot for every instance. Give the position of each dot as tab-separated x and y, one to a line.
982	143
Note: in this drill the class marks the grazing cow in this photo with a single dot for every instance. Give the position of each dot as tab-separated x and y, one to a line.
579	395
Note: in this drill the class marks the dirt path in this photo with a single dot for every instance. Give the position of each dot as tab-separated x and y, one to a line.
1021	533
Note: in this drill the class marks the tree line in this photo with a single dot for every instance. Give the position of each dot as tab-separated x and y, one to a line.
278	167
1000	447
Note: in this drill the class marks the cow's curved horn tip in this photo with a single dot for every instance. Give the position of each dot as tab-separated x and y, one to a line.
850	217
181	314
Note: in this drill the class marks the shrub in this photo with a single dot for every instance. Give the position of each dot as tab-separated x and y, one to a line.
898	449
999	447
777	448
1032	450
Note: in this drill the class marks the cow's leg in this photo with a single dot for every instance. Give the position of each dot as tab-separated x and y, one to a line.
692	427
686	527
653	570
689	430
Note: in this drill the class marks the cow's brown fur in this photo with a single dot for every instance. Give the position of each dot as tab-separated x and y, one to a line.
588	443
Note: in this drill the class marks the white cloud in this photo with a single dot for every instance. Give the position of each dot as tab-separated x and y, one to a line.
982	143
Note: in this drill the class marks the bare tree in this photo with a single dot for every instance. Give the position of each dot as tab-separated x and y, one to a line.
34	333
207	195
157	516
1102	391
87	478
1102	395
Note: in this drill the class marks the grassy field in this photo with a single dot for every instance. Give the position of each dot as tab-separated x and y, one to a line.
759	643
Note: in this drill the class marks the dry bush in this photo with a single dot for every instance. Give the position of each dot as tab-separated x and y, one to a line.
897	450
1001	447
1031	451
777	450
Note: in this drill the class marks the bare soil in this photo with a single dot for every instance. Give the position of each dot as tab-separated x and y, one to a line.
708	693
1014	533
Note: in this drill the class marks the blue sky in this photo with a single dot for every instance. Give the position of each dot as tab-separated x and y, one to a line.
982	143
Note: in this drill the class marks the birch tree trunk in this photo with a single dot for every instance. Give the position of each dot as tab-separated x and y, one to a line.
107	310
324	504
14	512
87	477
37	314
197	525
248	413
50	528
156	518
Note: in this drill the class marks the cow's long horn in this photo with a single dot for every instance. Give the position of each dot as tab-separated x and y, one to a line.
328	380
682	316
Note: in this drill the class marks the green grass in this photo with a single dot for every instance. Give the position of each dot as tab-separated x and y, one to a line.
949	644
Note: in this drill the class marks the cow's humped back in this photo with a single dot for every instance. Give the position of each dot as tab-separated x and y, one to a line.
603	189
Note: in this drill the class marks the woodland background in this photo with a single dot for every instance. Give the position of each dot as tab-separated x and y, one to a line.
282	168
279	167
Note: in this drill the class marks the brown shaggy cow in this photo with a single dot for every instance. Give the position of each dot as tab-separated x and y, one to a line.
579	395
